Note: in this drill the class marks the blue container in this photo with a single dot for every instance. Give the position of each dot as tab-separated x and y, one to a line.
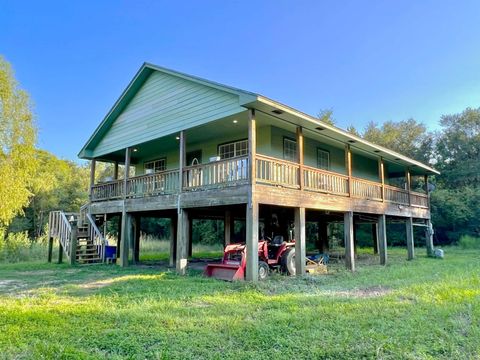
110	252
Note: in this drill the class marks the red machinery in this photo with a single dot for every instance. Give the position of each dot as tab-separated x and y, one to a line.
277	254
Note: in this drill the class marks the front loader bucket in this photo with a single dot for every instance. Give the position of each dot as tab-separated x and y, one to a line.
225	272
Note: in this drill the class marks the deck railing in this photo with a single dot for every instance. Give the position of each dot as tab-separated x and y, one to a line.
366	189
108	190
274	171
419	199
60	228
396	195
269	171
324	181
216	174
165	182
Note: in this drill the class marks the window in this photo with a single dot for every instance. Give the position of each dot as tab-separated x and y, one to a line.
155	165
233	149
289	149
323	159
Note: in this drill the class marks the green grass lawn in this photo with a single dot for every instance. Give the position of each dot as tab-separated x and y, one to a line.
426	308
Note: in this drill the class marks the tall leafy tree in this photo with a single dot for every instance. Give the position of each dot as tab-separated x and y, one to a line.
408	137
17	145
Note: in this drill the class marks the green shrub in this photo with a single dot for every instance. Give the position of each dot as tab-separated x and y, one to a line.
469	242
18	246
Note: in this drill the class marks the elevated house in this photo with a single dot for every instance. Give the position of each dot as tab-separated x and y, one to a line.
201	148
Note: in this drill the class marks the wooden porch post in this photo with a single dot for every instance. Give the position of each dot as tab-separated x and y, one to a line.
381	174
227	228
300	241
382	239
252	205
182	241
300	156
115	170
410	240
136	240
126	222
348	165
349	242
92	177
408	184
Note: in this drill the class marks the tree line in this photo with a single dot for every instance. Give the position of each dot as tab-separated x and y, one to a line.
34	181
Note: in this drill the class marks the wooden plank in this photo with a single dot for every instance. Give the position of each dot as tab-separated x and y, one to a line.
73	243
408	184
126	172
382	239
182	159
181	261
381	172
50	248
300	240
410	239
349	240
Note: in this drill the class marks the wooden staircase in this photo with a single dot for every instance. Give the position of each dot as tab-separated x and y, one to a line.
78	235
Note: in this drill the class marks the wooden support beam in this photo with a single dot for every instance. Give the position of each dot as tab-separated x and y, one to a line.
429	238
173	237
126	238
322	245
119	234
189	236
136	240
252	242
381	175
181	159
227	228
382	239
126	172
410	239
182	242
300	236
60	252
252	205
73	243
348	166
92	177
50	248
375	238
115	170
349	241
408	184
300	156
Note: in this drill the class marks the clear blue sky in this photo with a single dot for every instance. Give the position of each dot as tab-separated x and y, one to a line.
366	60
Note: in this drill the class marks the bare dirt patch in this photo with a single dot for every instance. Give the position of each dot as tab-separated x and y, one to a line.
370	292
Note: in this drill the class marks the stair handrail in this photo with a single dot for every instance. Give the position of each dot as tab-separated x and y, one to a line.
96	236
60	228
83	213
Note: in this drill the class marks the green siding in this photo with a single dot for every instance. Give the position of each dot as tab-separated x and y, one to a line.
164	105
365	168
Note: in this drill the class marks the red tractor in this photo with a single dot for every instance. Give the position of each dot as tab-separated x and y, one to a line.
272	254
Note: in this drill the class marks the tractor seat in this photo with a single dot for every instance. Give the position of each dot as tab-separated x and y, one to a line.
277	240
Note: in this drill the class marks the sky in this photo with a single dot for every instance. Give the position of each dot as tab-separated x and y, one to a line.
365	60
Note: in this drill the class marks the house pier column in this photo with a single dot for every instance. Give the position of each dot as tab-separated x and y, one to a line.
429	238
300	241
382	239
349	240
127	234
183	225
252	204
410	239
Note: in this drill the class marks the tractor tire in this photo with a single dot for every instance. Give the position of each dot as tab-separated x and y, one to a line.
263	270
287	262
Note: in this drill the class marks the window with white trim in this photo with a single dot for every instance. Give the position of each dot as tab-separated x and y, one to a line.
233	149
323	159
156	165
289	149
